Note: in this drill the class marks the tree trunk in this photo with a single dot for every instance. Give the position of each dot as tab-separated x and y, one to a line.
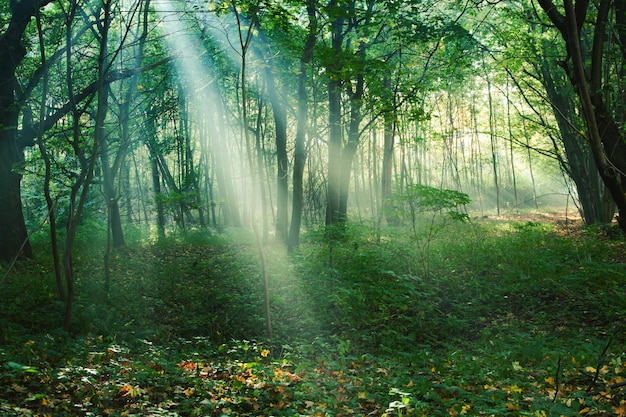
335	139
334	153
494	155
111	197
607	144
299	158
50	204
387	171
154	173
282	158
156	186
80	189
13	234
349	150
596	205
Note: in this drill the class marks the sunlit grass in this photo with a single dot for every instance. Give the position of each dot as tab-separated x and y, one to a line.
506	313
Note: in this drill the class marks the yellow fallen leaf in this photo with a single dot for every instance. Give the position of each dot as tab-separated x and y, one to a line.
621	410
512	407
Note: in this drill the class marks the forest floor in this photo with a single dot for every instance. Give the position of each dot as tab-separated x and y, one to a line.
506	318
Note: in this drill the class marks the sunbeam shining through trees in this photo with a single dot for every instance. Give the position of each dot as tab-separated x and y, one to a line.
311	208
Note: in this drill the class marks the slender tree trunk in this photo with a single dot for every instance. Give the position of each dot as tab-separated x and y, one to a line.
349	150
494	155
374	178
142	199
244	39
52	221
80	189
157	195
282	159
260	181
511	148
299	158
334	152
388	137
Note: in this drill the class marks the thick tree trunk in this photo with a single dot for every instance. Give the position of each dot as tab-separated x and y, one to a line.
13	234
335	137
596	205
607	144
110	196
347	159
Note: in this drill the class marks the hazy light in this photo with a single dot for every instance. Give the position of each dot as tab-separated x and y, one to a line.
197	77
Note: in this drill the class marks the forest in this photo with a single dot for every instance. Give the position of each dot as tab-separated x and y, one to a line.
312	208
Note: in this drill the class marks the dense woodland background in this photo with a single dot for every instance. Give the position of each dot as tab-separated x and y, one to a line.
312	207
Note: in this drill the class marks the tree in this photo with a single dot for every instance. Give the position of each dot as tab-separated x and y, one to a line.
14	236
280	133
301	132
595	205
347	67
115	147
551	98
598	85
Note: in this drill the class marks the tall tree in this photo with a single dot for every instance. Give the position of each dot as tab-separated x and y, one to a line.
598	85
337	15
544	85
302	128
114	148
13	233
280	132
595	205
347	66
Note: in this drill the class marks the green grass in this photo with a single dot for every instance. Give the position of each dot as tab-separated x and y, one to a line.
502	318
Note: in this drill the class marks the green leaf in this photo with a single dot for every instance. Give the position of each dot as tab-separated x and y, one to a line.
14	366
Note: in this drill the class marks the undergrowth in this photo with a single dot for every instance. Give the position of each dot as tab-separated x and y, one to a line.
507	319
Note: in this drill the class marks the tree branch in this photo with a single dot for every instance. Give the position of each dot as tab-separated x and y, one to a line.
554	15
27	135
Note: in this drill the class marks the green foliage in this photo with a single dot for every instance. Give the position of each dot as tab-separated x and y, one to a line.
428	210
418	199
513	319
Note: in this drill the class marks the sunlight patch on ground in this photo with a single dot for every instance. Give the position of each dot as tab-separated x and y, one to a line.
198	78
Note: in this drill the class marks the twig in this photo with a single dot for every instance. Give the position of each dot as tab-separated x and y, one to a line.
610	387
556	379
596	375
